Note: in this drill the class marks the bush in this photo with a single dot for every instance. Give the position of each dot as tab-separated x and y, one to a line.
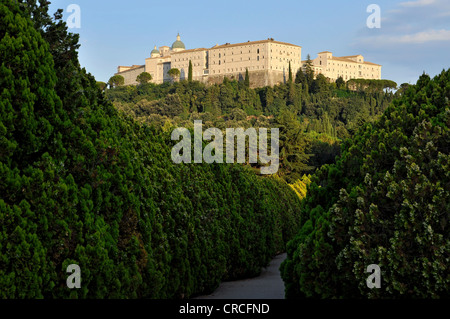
386	201
81	184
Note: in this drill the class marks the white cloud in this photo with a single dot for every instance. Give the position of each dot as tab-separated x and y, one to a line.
418	3
425	36
415	38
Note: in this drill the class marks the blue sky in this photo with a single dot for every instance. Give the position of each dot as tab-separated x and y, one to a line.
414	36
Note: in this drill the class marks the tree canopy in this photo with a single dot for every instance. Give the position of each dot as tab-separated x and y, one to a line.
144	78
116	80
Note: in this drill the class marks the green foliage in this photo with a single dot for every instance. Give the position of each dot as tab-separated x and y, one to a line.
371	85
386	201
320	84
102	85
300	186
190	71
309	71
300	77
144	78
247	79
174	73
82	184
290	73
336	114
340	83
116	80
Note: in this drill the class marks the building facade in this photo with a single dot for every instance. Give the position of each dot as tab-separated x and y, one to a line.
347	67
267	62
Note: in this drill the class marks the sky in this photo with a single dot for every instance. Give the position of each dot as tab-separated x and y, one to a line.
413	36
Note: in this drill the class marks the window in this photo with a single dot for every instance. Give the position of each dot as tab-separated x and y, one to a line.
220	55
258	56
258	51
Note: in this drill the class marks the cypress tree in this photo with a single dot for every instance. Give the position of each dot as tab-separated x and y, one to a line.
190	71
247	79
290	73
30	112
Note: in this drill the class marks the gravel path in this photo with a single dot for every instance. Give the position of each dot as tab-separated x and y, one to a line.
268	285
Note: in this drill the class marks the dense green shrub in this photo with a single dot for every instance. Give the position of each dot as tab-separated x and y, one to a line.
81	184
386	201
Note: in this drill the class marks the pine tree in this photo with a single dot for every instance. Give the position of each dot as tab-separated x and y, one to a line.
144	78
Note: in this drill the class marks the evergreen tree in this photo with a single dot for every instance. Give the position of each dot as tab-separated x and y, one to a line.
320	84
102	85
340	83
83	184
116	80
144	78
247	79
190	71
300	77
384	202
174	73
290	73
309	71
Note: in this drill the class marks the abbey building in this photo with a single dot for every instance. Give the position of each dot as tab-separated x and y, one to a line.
267	62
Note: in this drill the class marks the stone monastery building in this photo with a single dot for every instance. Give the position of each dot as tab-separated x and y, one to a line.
267	62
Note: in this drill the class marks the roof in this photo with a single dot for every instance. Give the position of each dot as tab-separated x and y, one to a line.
252	42
190	50
344	59
131	68
367	62
178	45
324	52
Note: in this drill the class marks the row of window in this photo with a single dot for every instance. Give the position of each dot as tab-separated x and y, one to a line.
347	77
187	59
237	69
193	64
258	51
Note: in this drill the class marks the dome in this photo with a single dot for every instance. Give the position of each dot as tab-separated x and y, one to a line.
155	51
178	44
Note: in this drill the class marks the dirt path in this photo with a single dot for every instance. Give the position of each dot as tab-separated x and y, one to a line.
268	285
